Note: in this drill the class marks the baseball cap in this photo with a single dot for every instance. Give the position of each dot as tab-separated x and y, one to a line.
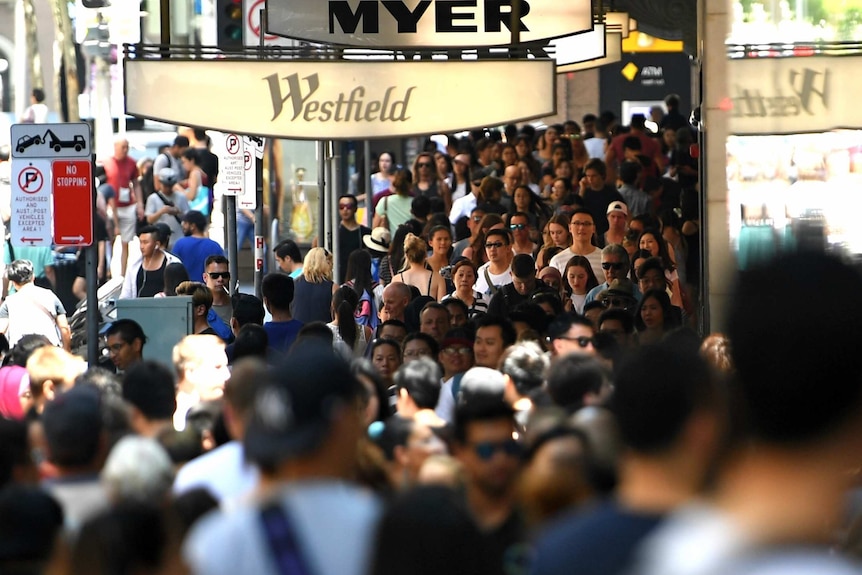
168	176
618	207
294	410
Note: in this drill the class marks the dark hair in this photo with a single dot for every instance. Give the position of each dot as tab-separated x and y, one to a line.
402	182
396	247
421	379
30	520
39	95
251	341
247	309
523	266
620	315
14	449
344	302
288	248
525	365
420	207
216	259
651	263
395	322
149	386
629	172
201	294
192	155
641	254
362	367
175	274
359	271
507	330
598	166
277	289
632	143
583	262
21	351
429	341
656	390
417	532
128	329
638	121
458	302
150	229
379	342
571	377
499	232
549	298
661	296
564	322
663	252
484	409
73	427
781	349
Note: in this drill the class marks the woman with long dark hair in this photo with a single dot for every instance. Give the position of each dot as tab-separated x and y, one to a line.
392	263
345	329
363	284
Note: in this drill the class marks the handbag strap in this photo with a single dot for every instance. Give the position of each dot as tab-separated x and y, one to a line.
282	541
494	289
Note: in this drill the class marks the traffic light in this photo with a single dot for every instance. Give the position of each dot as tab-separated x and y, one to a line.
229	23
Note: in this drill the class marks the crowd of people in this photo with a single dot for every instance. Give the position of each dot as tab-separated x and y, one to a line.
509	384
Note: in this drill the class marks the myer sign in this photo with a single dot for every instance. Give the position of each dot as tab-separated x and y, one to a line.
794	95
339	100
425	23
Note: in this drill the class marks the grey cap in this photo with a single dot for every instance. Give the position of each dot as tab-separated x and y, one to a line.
168	176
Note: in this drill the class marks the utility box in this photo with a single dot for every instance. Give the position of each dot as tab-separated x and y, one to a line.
165	321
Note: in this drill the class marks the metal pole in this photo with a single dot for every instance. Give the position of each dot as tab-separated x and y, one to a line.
165	26
91	255
334	219
228	205
259	228
274	214
515	23
321	186
369	183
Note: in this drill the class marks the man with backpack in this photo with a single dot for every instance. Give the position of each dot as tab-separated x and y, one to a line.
166	205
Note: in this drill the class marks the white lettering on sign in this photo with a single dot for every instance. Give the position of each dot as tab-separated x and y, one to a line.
652	71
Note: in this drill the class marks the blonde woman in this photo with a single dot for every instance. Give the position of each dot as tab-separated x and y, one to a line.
416	273
312	294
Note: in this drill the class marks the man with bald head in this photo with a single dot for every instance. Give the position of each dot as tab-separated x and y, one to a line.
396	296
121	173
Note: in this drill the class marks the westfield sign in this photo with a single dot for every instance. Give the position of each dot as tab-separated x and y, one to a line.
340	100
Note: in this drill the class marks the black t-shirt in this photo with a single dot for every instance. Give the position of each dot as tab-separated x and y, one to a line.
209	164
348	241
151	282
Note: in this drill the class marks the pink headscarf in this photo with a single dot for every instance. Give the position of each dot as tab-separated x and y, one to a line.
11	380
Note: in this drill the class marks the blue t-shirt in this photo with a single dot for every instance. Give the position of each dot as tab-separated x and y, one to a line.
282	334
599	541
193	252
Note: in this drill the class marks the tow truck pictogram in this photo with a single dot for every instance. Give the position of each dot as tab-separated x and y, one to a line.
77	142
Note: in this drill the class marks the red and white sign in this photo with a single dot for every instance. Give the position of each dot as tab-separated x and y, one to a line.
73	202
31	203
252	27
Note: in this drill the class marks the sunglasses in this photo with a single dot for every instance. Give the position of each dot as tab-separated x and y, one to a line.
582	224
616	302
583	341
611	266
486	449
345	206
477	182
456	350
424	164
517	226
494	245
217	275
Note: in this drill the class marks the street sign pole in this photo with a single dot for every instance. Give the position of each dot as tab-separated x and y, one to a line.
259	229
91	254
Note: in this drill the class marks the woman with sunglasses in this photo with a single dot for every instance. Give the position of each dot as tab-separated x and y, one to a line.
426	181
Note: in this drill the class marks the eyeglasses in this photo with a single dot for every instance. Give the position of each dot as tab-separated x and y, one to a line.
424	164
346	206
455	350
612	266
517	226
486	449
217	275
489	245
117	347
583	341
616	302
582	224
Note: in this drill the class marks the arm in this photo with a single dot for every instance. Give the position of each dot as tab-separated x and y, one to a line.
65	331
51	275
439	286
194	184
446	194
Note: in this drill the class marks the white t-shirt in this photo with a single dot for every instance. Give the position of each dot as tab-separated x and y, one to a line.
223	471
462	208
32	310
498	280
560	260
